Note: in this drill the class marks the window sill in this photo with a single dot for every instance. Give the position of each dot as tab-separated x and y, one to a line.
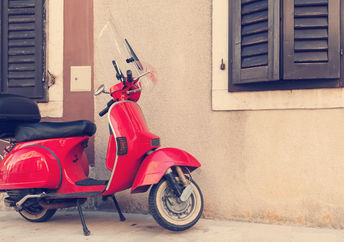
267	100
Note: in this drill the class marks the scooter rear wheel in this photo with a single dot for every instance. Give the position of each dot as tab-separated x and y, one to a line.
170	212
36	213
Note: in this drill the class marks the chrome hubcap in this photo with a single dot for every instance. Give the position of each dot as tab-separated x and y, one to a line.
175	208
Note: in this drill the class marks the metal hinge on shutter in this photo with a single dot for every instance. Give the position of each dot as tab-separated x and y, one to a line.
51	79
223	65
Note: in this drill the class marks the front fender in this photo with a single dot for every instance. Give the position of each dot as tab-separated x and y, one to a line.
156	164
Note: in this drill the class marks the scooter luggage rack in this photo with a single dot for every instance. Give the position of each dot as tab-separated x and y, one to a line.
10	145
7	141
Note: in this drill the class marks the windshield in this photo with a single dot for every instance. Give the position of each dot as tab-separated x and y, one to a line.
124	57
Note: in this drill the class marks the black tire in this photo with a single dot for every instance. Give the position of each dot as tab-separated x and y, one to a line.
158	207
36	213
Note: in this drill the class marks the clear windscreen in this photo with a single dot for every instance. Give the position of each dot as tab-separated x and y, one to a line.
117	51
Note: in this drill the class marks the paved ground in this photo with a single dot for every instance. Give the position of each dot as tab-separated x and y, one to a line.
105	226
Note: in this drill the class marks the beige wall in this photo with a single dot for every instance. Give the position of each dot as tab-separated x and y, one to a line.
276	166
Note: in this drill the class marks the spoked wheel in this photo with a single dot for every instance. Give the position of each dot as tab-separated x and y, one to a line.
170	212
36	213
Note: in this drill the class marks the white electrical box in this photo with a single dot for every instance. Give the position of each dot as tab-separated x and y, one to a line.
80	78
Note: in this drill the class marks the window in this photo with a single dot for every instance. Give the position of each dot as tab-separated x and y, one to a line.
22	53
284	45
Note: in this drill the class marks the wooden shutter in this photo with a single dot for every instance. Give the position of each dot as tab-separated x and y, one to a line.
1	53
311	43
254	40
22	42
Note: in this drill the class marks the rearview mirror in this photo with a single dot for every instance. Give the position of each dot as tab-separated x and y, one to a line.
99	90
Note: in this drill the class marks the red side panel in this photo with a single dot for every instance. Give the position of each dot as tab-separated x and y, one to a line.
50	164
127	121
31	167
156	165
74	163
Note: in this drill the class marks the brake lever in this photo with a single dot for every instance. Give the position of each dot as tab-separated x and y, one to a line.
142	75
119	74
133	91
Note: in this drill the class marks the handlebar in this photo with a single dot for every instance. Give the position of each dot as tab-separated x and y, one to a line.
105	110
129	78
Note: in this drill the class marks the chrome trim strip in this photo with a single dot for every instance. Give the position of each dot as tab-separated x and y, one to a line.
115	136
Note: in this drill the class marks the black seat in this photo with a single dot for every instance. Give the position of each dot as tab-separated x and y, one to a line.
50	130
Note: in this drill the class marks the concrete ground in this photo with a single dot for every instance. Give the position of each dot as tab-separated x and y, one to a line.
105	226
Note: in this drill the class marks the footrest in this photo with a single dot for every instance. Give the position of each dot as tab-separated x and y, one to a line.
91	182
72	195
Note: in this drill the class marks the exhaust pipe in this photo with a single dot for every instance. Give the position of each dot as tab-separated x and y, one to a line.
23	200
55	204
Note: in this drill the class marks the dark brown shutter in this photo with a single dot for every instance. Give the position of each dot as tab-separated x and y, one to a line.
254	40
1	46
311	44
22	41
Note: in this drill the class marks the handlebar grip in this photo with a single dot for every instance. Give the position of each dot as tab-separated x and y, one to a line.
103	112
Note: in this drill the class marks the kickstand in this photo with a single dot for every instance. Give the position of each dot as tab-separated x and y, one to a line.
84	227
121	216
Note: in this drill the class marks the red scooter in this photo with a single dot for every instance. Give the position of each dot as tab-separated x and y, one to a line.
44	166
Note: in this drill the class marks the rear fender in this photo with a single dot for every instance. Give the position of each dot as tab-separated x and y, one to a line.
155	165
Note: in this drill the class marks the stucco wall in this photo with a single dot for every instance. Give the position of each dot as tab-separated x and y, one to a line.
276	166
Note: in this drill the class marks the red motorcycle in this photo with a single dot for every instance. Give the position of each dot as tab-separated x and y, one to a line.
44	166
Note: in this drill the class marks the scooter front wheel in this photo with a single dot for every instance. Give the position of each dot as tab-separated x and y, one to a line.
170	212
36	213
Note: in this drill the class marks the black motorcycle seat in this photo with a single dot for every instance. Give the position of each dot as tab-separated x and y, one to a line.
50	130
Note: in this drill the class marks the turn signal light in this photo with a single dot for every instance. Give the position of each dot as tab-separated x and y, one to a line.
122	146
155	142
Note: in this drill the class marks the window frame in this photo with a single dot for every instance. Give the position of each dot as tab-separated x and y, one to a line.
282	84
54	30
222	100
